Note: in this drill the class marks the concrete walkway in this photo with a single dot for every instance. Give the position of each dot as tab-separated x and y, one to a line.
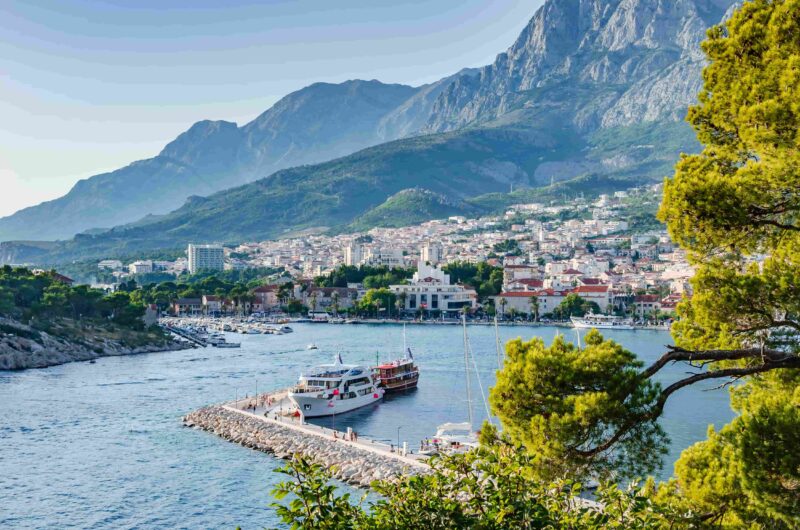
363	444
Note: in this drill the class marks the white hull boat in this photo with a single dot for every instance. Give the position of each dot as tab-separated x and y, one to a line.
591	321
335	388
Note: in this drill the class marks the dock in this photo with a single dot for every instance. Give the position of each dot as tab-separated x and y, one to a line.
186	335
258	424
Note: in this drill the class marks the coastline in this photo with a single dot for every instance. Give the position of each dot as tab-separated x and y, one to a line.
23	347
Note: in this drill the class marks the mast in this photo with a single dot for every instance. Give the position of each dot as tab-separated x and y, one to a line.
466	368
405	348
497	344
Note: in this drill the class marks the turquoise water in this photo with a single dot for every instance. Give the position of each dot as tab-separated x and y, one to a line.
101	445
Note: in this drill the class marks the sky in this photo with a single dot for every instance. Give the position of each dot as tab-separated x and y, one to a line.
87	86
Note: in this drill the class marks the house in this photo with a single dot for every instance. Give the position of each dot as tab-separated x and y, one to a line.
322	298
646	304
266	297
212	305
187	306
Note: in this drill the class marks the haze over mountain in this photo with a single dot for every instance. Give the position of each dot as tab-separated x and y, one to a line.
592	91
320	122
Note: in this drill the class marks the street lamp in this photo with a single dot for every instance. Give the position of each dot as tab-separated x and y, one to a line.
398	437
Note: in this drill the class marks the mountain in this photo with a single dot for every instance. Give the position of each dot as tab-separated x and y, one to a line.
591	94
412	206
320	122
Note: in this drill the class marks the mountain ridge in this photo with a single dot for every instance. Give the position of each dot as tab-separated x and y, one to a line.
589	89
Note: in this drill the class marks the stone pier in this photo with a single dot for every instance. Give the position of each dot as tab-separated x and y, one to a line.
355	462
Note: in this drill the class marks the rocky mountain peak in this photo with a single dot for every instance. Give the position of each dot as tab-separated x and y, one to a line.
606	46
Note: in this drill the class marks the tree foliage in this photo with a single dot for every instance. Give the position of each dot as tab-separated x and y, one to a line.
488	488
561	402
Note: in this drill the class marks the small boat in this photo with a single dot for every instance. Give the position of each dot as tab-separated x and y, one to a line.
228	345
312	346
592	320
286	329
451	438
336	388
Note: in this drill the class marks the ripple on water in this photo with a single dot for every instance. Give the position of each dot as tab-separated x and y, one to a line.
101	446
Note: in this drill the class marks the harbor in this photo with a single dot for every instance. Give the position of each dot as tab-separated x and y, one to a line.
351	458
125	414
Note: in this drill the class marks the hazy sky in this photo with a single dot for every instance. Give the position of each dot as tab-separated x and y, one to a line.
87	86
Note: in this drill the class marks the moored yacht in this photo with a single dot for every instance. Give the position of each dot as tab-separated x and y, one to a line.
335	388
592	320
451	438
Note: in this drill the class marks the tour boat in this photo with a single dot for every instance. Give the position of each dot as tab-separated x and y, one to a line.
398	375
592	320
335	388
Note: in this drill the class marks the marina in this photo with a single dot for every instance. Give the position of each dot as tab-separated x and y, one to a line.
117	424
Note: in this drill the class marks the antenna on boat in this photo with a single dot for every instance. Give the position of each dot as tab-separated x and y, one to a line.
466	368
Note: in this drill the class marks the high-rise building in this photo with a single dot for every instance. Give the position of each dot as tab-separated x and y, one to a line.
353	254
206	258
431	253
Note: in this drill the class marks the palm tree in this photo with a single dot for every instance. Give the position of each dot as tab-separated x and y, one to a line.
314	301
534	303
335	303
401	301
503	302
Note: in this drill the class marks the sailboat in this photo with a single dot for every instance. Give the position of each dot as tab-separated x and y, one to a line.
456	437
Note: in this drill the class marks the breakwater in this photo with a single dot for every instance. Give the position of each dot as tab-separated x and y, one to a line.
355	462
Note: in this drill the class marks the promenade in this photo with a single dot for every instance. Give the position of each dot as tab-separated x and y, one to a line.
355	460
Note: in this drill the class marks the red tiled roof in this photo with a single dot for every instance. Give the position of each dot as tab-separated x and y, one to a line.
572	272
646	298
530	282
591	289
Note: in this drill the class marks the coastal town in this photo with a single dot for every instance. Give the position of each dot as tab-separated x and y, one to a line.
547	254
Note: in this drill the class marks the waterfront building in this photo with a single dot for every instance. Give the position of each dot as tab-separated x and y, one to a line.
206	258
430	290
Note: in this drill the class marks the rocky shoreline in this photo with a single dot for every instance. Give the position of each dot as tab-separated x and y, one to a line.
347	461
23	347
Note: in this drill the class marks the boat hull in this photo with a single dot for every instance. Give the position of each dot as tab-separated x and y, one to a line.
583	325
314	406
400	384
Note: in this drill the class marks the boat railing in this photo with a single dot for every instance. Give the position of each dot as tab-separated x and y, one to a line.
301	389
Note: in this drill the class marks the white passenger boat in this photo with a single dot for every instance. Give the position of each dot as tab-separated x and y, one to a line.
334	389
592	320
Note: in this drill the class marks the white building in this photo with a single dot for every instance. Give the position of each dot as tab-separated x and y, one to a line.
206	258
141	267
353	254
431	253
388	257
430	290
110	264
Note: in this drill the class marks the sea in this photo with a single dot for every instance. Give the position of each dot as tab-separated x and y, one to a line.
101	445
